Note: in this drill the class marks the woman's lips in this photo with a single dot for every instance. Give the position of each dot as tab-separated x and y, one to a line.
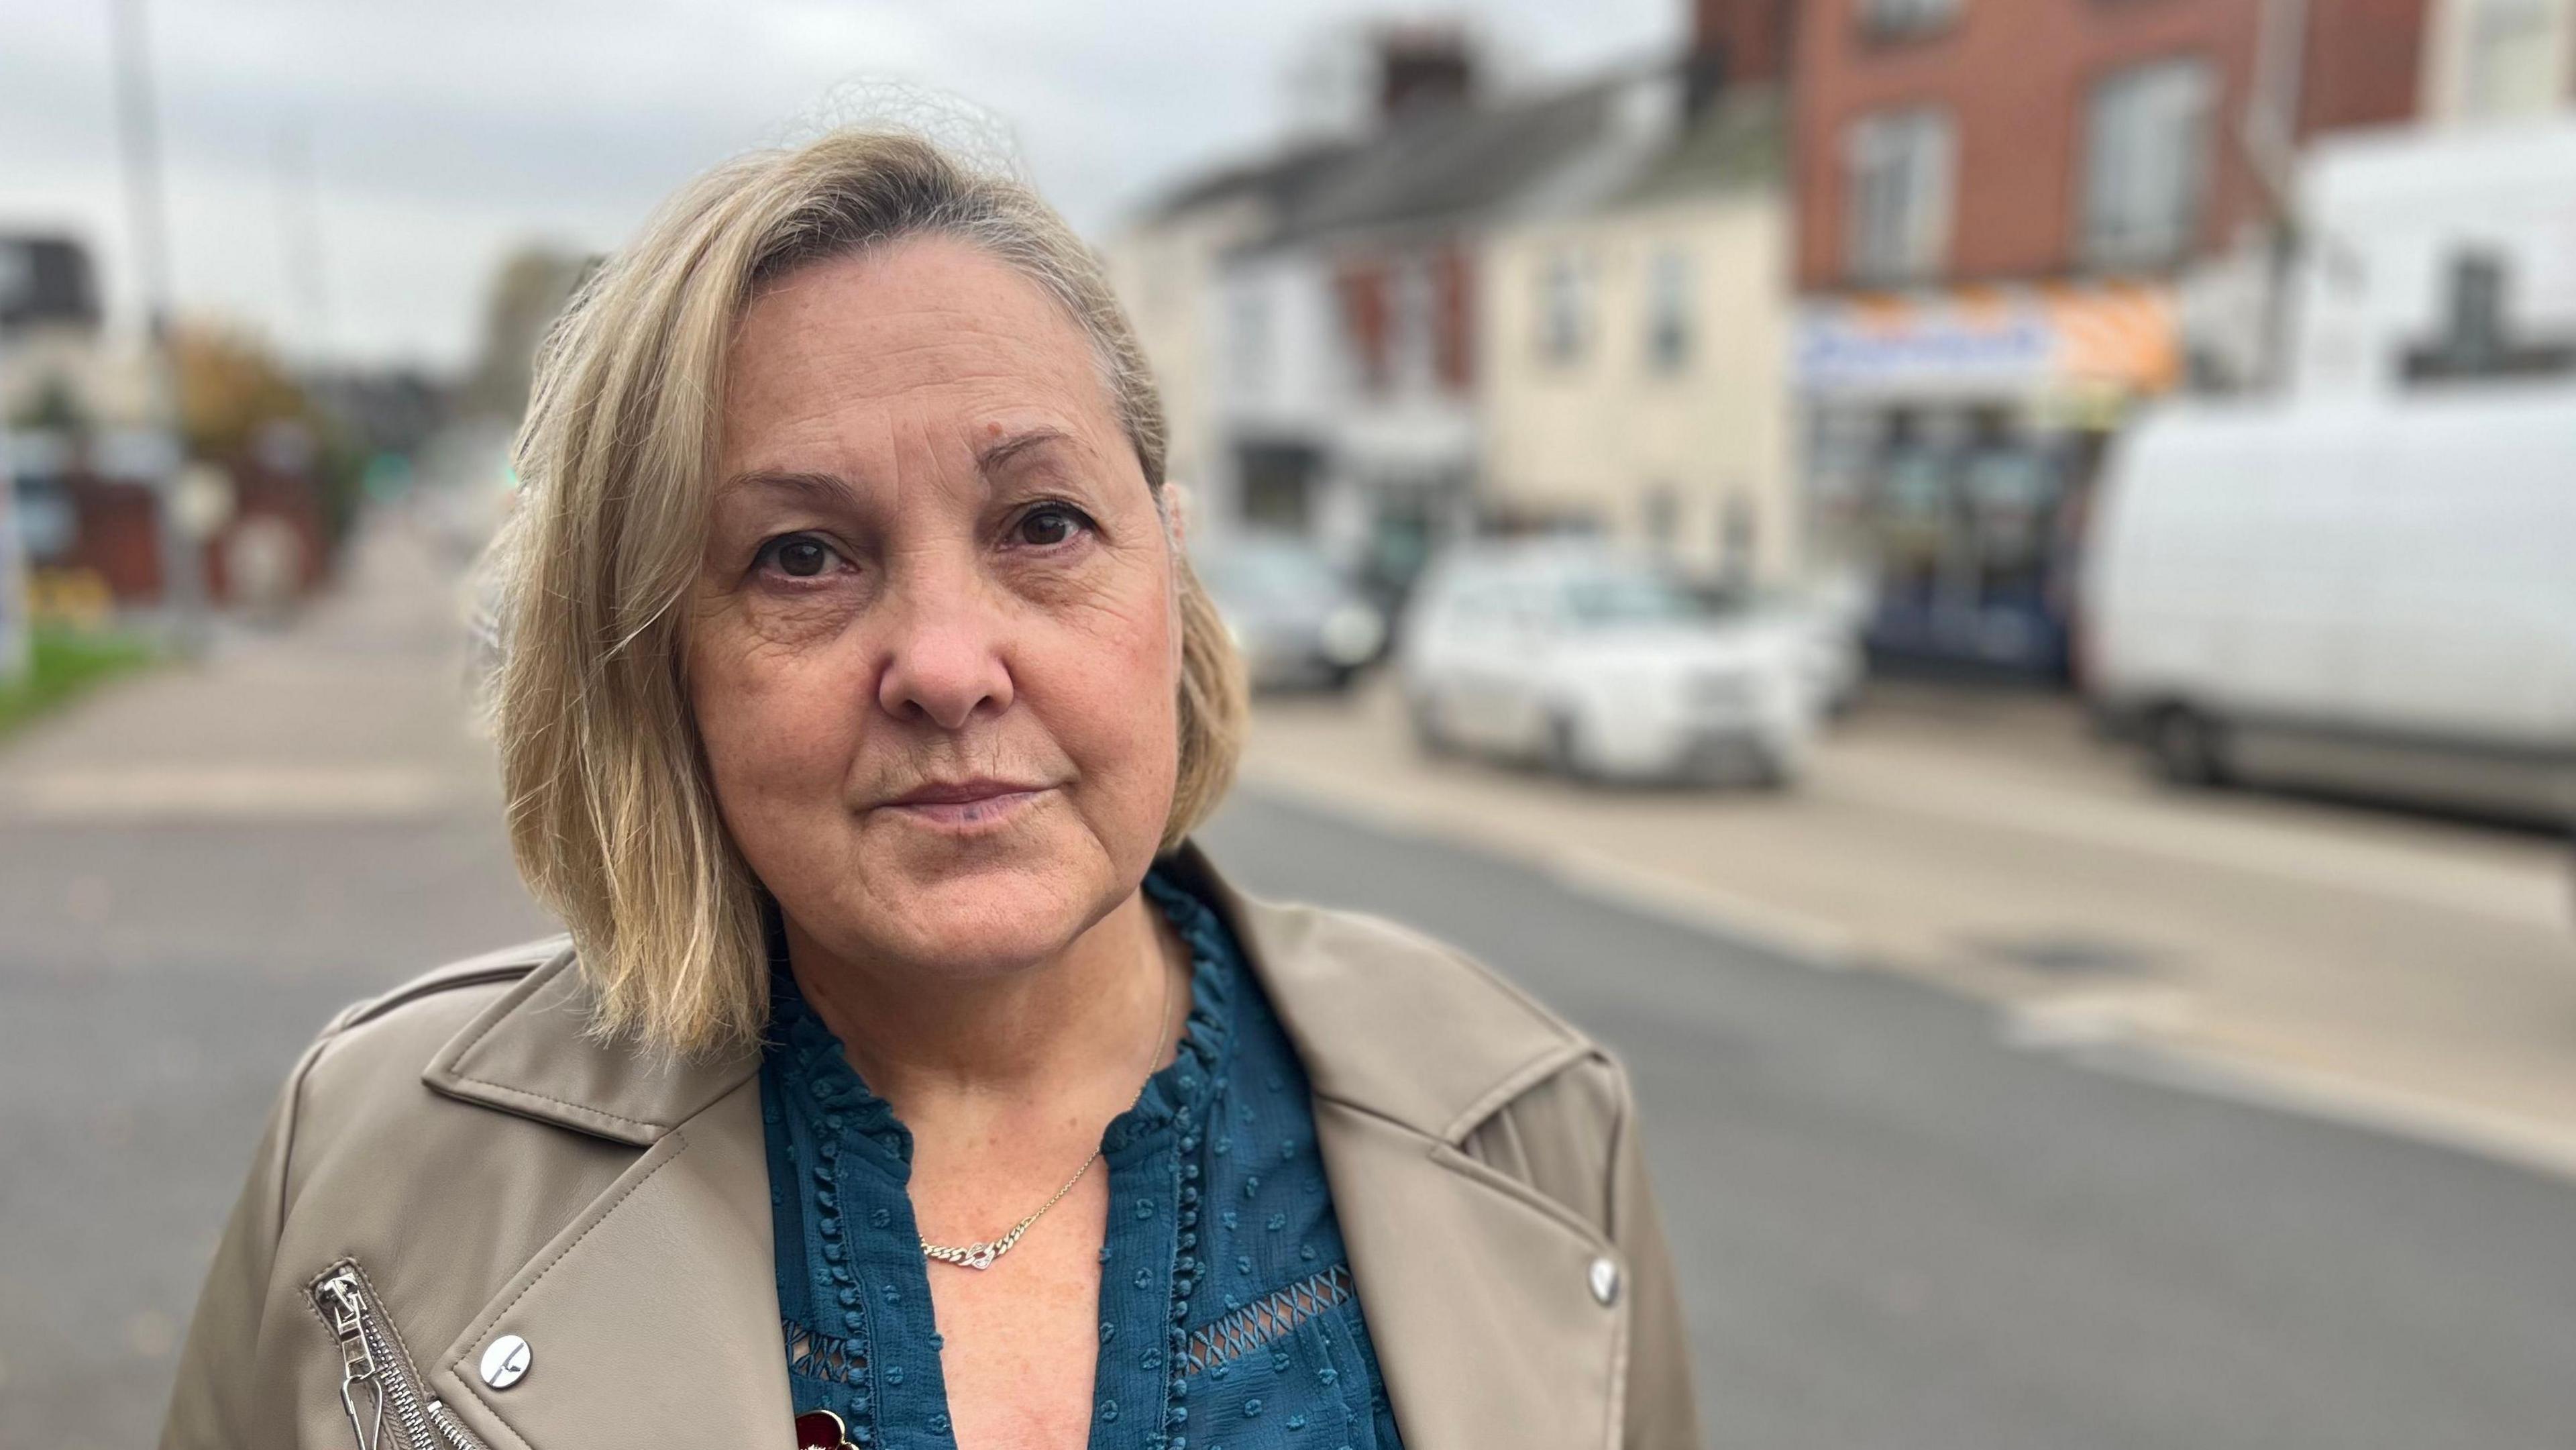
968	805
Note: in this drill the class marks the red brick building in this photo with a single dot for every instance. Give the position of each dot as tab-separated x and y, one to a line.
2027	89
2015	218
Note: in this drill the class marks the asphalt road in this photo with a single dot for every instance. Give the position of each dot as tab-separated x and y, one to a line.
1897	1230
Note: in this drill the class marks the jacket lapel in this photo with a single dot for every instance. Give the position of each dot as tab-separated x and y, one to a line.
1474	1292
1476	1288
652	1319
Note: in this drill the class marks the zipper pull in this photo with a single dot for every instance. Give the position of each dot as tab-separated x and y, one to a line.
349	1326
357	1362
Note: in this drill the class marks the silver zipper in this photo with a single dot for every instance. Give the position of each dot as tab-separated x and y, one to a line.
374	1366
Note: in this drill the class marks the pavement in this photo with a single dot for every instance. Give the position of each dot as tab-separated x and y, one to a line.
1911	1207
198	866
2403	970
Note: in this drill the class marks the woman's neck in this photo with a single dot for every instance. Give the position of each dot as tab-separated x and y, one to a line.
963	1056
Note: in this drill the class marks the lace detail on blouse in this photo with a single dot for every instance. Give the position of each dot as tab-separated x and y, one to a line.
1266	1319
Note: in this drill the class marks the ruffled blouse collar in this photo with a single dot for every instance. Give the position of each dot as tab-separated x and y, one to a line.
825	1085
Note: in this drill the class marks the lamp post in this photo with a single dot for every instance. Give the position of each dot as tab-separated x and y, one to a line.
138	124
17	645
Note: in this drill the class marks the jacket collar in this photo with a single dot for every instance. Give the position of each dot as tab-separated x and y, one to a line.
531	1053
1357	1019
1474	1283
1356	1025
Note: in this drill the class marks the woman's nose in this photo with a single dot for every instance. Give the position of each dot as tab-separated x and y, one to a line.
945	654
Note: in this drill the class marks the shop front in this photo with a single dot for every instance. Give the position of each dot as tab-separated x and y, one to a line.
1951	444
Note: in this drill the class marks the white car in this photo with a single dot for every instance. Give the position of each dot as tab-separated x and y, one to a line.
1601	666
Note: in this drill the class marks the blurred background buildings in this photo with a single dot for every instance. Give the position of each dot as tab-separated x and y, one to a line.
1845	294
1863	284
1960	423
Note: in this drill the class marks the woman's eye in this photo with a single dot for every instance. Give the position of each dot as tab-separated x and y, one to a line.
1049	524
800	556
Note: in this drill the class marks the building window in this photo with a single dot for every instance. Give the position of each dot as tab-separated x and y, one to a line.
2146	163
1250	329
1668	311
1900	165
2508	65
1414	321
1661	518
1454	280
1882	20
1365	324
1562	306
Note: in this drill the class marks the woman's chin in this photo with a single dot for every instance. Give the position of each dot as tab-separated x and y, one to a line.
977	912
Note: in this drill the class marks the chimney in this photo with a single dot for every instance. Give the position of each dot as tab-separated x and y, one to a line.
1421	69
1737	42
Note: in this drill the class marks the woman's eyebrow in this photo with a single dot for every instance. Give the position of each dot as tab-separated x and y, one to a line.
999	453
821	489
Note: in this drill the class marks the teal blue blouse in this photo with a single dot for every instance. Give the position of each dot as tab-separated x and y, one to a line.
1228	1315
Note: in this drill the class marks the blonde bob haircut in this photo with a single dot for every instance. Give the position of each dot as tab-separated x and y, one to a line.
612	815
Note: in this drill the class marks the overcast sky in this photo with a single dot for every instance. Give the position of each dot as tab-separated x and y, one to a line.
436	134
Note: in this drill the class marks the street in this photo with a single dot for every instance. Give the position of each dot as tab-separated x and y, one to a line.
2403	970
1911	1208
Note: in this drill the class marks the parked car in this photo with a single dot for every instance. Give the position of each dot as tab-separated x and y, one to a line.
1827	625
1295	619
2377	598
1601	666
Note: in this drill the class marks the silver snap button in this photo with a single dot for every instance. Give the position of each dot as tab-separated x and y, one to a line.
1605	1280
506	1362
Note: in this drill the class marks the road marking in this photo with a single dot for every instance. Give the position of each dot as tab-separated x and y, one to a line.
2068	1020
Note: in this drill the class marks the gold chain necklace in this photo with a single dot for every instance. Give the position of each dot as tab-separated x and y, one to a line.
982	1255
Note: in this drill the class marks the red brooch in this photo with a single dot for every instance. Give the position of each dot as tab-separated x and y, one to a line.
822	1430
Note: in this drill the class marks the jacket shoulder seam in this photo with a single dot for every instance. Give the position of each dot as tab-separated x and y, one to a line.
508	965
1477	969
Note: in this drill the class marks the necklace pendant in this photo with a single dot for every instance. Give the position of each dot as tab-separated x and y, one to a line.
966	1256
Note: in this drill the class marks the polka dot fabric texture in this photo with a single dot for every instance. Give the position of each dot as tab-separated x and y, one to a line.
1230	1319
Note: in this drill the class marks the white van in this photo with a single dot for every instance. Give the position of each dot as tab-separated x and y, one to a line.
2377	596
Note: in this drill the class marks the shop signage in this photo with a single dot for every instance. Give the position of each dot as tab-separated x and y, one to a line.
2019	340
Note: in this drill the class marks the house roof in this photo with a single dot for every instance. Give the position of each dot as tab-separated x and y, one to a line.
1585	148
1738	142
45	279
1282	179
1454	163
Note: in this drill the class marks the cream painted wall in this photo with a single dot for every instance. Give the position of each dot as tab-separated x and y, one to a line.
1165	274
2498	59
1597	436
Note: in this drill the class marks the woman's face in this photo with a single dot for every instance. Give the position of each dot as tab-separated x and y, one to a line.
934	654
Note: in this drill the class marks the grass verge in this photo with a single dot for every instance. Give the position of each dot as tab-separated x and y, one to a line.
67	662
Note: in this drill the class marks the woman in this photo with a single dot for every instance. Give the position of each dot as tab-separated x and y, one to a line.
908	1078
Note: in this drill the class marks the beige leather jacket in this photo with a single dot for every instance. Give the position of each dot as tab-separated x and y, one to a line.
455	1163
